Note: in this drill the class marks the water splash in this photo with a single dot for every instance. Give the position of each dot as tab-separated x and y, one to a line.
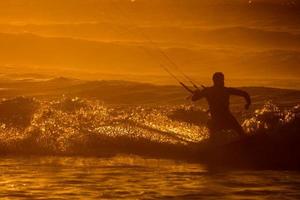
72	125
271	118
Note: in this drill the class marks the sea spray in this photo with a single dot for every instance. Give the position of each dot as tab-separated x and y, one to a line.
270	118
76	126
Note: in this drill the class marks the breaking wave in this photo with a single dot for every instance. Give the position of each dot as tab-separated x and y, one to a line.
78	126
75	126
270	118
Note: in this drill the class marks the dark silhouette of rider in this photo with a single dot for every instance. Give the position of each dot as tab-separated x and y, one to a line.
217	97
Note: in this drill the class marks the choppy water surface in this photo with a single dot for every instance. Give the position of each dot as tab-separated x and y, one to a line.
130	177
69	149
77	126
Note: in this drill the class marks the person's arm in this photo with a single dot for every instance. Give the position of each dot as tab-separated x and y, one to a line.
241	93
198	94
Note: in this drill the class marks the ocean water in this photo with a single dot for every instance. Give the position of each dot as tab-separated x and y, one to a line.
132	177
76	126
75	148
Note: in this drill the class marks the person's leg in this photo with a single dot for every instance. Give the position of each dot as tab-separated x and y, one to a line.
210	128
235	125
213	129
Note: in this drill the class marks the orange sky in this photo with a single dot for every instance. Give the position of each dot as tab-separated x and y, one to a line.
241	38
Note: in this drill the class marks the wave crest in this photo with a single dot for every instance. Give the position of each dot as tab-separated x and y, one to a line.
271	118
75	126
79	126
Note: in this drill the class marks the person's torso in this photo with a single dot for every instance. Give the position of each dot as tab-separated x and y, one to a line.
218	101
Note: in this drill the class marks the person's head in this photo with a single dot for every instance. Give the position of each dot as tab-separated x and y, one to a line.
218	79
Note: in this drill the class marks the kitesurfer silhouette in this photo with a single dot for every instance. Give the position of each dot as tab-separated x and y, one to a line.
217	97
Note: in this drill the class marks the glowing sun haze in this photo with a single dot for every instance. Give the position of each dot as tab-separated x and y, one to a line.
92	37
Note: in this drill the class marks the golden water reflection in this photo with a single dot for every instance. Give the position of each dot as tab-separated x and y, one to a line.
131	177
